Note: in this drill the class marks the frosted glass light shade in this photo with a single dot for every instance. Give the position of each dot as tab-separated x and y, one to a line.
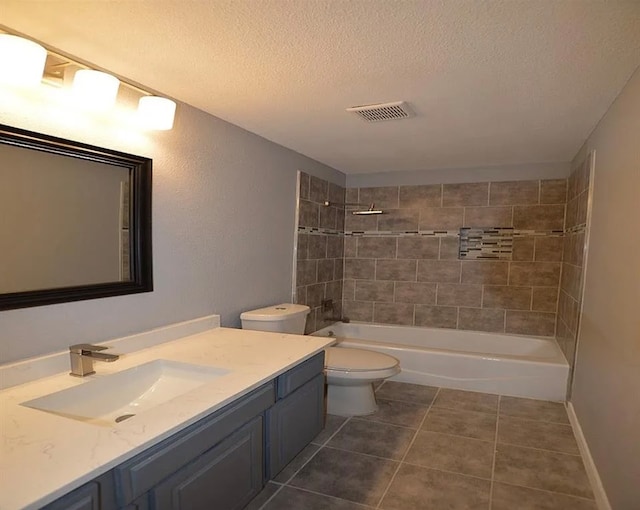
156	112
21	61
95	90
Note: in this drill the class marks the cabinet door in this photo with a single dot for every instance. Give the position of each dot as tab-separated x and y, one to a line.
293	422
226	477
142	503
139	475
86	497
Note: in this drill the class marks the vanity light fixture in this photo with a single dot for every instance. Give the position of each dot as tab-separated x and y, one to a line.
95	90
25	63
22	61
156	112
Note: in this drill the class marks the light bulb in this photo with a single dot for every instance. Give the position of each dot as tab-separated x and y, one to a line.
95	90
156	112
22	61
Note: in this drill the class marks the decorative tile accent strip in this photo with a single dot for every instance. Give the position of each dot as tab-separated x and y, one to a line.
577	228
480	243
320	231
537	233
430	233
401	233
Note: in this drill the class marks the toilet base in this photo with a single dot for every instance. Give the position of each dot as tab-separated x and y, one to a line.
358	400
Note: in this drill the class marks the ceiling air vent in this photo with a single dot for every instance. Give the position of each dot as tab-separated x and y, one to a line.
382	111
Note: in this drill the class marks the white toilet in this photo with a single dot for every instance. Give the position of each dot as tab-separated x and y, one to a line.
350	372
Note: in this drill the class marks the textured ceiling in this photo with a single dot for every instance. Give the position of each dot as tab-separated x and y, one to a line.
491	82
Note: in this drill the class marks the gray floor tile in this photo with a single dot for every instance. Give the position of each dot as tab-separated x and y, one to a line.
412	393
351	476
416	488
373	438
332	423
298	461
540	410
537	434
398	413
295	499
452	453
466	401
508	497
461	423
269	490
552	471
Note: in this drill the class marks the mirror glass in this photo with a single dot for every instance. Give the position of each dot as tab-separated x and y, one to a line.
75	221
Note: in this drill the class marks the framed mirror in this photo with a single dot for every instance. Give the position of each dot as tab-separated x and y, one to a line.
75	221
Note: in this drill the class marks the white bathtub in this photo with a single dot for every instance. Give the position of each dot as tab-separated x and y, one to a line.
494	363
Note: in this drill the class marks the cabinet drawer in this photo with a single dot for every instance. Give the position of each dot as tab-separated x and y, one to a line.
138	475
297	376
226	477
293	422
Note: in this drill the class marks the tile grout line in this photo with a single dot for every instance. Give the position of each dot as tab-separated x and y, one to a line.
541	449
459	436
495	453
440	470
547	491
390	424
336	498
264	505
413	439
511	416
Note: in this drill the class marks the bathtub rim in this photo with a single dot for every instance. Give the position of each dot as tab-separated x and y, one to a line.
557	359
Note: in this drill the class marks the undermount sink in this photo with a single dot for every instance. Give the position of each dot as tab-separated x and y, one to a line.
114	398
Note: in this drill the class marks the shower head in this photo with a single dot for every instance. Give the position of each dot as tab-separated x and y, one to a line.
369	211
371	207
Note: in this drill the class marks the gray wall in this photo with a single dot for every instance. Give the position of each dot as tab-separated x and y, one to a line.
607	375
223	227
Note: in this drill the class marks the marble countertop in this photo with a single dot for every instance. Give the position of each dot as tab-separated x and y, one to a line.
44	456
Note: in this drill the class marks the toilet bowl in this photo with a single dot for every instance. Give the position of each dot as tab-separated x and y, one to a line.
350	372
350	377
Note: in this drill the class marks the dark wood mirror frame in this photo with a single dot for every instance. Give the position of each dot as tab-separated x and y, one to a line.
140	221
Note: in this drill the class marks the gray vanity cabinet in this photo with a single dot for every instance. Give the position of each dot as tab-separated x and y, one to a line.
98	494
86	497
226	477
222	461
219	456
298	415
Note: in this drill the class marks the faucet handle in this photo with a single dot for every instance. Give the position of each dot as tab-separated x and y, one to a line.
86	347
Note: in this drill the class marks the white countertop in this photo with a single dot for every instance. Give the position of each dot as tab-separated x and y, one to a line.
44	456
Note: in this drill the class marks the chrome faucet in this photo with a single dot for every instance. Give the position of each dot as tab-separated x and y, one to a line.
82	356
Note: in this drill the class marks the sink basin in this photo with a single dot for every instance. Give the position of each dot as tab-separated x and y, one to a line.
114	398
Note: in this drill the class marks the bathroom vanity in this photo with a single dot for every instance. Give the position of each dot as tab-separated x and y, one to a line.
219	457
223	460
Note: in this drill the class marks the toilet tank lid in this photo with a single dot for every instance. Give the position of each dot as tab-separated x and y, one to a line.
275	312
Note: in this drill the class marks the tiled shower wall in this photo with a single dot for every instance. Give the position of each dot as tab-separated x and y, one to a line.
576	227
402	267
320	249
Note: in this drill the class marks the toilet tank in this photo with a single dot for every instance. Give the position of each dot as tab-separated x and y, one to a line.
283	318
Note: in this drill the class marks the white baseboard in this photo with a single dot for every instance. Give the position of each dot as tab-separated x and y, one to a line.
602	502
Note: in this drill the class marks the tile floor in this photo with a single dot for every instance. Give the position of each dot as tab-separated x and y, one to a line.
436	448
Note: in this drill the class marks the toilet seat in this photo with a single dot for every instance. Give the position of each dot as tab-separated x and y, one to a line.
346	367
343	359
